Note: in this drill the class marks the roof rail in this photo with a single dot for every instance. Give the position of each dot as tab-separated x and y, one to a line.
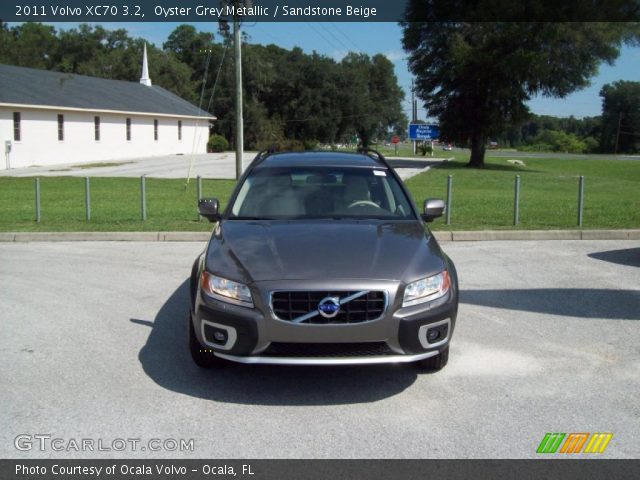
263	154
370	152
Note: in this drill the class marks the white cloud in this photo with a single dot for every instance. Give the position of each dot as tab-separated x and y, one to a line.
338	55
395	55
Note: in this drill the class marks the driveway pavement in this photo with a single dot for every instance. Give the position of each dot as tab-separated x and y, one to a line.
93	345
210	165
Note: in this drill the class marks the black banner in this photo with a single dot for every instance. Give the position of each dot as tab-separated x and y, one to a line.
100	11
318	469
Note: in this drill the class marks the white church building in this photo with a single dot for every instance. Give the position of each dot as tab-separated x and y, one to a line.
49	118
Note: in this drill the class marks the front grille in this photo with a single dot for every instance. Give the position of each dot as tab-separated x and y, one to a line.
292	305
328	350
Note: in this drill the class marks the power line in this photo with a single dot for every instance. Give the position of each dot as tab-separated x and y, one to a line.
213	89
268	34
196	136
334	37
335	27
323	37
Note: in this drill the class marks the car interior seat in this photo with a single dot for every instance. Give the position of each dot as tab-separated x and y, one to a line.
319	198
356	190
281	199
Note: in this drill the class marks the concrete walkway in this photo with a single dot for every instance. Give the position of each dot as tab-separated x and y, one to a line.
210	165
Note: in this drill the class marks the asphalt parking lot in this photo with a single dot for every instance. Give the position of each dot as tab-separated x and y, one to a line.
93	345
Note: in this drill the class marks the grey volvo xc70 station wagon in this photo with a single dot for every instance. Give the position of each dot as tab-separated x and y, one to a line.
321	258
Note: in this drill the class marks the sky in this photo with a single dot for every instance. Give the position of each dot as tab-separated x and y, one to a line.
338	38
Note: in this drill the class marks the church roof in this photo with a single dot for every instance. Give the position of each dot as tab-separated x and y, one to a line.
28	86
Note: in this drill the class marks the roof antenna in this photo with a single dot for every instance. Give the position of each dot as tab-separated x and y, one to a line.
144	79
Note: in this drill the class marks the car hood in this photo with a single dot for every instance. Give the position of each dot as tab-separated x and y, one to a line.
254	251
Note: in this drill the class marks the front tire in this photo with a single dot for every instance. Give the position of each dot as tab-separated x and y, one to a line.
436	363
203	357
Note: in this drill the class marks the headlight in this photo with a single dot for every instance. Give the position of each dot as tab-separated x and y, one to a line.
426	289
226	290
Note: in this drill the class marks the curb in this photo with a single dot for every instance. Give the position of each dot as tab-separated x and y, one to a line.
442	236
489	235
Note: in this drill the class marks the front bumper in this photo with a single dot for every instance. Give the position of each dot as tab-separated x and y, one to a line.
373	360
256	336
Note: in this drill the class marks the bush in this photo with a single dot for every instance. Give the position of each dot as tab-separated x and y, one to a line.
558	141
217	143
281	145
591	145
425	148
310	144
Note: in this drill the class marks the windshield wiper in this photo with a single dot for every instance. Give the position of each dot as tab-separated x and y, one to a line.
322	217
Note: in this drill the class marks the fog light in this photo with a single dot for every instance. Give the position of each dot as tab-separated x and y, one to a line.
216	335
433	335
220	336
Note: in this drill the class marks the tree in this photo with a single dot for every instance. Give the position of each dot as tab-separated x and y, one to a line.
92	50
30	45
197	51
476	77
291	98
372	99
558	141
529	133
189	45
170	73
620	117
5	42
79	51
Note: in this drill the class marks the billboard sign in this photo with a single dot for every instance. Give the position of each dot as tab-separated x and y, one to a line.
423	132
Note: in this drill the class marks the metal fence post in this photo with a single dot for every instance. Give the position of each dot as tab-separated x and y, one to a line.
580	199
449	198
516	202
38	199
87	198
199	194
143	198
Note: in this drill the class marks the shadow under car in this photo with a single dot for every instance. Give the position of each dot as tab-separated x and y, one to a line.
165	359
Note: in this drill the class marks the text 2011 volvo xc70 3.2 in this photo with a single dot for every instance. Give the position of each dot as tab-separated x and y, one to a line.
321	258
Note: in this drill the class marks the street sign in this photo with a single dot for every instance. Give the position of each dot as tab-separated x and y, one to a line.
395	139
423	132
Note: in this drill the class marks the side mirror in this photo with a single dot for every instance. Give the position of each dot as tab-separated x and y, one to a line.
433	208
208	208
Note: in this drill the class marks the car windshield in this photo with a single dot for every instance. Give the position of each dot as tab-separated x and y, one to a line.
302	192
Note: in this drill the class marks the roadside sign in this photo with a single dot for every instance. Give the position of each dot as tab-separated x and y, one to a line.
395	139
423	132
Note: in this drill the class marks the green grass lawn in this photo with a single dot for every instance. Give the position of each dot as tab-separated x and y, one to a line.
482	199
115	204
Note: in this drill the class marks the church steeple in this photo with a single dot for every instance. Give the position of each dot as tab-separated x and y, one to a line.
144	79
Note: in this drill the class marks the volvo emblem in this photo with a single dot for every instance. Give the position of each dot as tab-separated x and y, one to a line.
329	307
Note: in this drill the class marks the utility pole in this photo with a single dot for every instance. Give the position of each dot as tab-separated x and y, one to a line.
618	133
237	38
414	114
